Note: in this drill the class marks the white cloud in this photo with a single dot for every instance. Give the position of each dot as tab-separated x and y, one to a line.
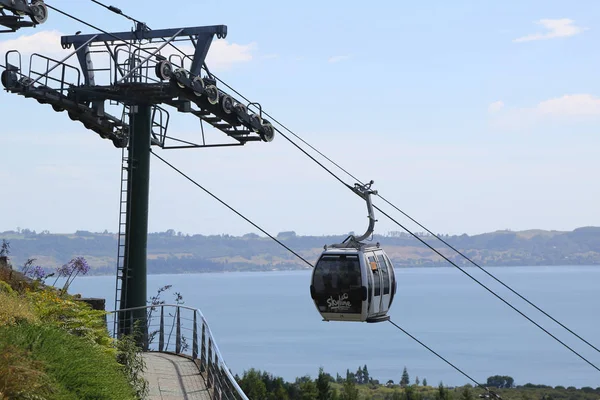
556	28
223	55
336	59
570	105
44	42
495	106
568	108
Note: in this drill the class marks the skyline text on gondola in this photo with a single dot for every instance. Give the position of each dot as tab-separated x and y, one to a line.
340	304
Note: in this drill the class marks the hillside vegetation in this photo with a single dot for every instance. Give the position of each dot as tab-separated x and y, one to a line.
361	386
173	252
55	346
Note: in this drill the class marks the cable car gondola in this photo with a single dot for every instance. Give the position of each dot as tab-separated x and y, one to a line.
354	281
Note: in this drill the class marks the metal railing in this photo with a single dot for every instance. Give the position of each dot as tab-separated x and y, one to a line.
170	328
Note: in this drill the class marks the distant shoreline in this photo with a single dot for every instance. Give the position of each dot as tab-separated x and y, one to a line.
174	252
396	268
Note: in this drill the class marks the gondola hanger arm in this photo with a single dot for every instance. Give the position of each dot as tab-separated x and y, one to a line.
365	192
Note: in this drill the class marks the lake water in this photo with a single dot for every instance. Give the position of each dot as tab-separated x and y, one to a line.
267	320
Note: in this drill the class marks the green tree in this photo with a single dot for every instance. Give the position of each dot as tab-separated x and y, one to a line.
366	376
467	394
276	387
500	381
417	381
443	393
405	380
323	386
350	376
308	389
359	376
252	384
424	381
349	390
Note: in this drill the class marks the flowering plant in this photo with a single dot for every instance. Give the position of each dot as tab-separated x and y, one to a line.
70	270
35	272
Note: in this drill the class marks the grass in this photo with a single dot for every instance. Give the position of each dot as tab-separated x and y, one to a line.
13	309
53	346
72	367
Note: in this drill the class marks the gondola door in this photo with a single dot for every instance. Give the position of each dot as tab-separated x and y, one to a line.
376	293
386	288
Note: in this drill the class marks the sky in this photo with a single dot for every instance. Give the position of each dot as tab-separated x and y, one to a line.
469	116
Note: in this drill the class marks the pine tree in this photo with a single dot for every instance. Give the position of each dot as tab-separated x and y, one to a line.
366	377
308	390
443	393
405	380
323	386
350	376
424	381
359	376
349	390
417	381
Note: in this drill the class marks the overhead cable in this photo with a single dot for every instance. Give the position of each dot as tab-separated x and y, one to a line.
231	208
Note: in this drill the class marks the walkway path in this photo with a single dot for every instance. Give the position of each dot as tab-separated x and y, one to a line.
173	377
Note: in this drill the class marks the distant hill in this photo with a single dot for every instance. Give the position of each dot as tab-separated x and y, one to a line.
172	252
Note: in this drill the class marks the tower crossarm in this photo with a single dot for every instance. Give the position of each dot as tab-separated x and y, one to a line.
201	36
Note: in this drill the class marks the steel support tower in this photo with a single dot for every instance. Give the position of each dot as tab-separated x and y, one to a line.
134	73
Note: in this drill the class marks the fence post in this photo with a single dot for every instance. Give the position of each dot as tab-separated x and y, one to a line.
178	333
161	330
217	375
145	336
195	339
211	376
203	348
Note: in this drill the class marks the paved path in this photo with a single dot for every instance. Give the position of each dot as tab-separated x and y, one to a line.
173	377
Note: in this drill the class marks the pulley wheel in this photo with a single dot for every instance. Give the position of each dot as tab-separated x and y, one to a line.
180	72
240	109
267	132
227	104
163	70
212	94
198	86
256	122
39	12
7	79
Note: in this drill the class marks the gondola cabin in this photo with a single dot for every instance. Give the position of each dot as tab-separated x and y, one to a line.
353	284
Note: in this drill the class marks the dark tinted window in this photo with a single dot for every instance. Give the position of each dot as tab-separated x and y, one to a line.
391	269
393	275
337	284
376	273
384	274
